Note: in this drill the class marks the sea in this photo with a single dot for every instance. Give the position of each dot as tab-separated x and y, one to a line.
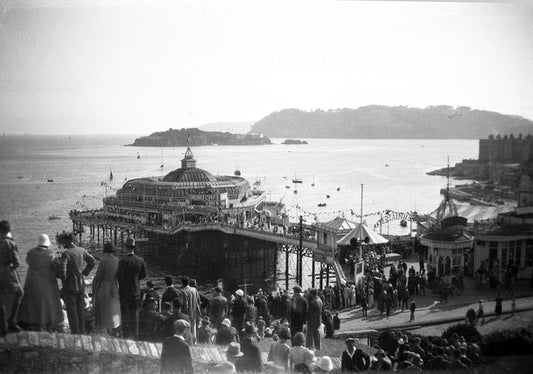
41	176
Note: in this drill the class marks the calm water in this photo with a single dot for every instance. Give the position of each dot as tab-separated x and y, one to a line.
393	173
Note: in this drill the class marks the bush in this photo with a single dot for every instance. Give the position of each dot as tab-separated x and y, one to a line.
507	343
469	332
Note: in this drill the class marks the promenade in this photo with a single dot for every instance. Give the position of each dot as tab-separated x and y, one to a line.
430	311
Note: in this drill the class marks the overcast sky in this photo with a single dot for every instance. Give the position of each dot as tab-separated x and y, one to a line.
143	66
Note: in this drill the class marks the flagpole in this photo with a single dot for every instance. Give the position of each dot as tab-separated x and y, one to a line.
361	228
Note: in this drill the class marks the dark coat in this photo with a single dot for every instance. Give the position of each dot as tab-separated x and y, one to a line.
75	262
169	295
168	326
314	314
131	270
176	356
360	361
226	335
251	360
150	323
385	366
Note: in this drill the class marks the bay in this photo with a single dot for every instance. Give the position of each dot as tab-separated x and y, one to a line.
393	173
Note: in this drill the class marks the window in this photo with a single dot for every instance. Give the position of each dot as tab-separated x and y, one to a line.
529	253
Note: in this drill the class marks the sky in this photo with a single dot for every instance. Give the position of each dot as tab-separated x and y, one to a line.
135	67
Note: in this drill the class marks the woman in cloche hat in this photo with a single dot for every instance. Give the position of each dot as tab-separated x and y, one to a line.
41	306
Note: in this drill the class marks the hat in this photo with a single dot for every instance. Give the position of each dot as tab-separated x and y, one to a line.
129	243
181	325
239	292
226	322
400	341
218	289
380	352
297	288
325	363
43	241
350	340
234	350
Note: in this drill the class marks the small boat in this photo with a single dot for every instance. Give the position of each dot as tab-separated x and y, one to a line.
321	204
403	223
49	180
327	196
386	165
295	192
138	156
237	172
296	180
338	188
110	175
287	186
313	184
53	216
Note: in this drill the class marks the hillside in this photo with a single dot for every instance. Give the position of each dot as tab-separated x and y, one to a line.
195	137
384	122
233	127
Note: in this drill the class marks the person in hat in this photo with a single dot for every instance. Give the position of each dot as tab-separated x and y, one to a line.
238	311
76	263
205	332
279	351
131	270
251	360
166	309
105	291
176	353
218	308
9	279
480	312
325	365
353	359
150	293
233	353
382	362
226	333
298	310
41	305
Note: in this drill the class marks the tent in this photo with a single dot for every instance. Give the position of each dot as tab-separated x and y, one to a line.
477	212
362	231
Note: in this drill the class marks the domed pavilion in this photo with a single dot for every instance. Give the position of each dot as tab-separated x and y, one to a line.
187	194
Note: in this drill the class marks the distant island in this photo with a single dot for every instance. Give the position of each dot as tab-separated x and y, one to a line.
294	141
386	122
196	137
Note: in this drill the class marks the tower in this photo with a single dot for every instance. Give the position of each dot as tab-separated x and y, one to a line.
188	160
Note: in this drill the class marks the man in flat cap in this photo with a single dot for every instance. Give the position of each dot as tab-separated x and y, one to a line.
353	359
131	270
176	353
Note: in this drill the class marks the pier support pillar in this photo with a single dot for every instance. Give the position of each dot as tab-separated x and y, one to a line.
327	274
286	269
115	236
313	273
98	235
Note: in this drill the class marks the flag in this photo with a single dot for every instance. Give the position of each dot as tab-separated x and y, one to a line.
188	137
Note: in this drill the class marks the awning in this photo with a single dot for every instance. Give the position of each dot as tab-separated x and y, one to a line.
361	232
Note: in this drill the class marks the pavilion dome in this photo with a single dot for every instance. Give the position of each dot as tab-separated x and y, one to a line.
189	175
189	172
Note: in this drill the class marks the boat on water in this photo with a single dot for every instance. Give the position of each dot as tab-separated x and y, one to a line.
53	216
286	186
49	180
297	180
237	173
295	192
338	188
110	175
138	156
321	204
403	223
327	196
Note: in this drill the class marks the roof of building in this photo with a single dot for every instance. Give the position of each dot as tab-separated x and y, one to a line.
447	235
189	175
339	224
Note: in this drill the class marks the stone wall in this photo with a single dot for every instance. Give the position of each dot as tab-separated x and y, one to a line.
42	352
